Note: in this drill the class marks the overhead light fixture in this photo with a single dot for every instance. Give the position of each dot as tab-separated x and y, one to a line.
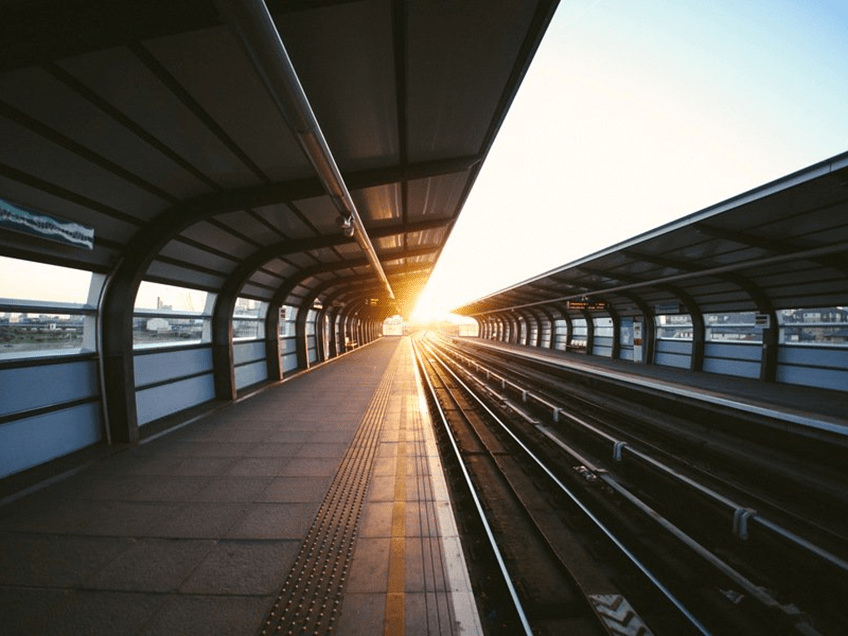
346	223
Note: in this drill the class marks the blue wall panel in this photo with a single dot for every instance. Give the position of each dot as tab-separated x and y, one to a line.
673	353
680	347
672	360
813	356
739	359
248	374
37	386
811	376
751	352
724	366
288	345
35	440
160	401
823	367
289	363
602	346
161	366
312	349
248	351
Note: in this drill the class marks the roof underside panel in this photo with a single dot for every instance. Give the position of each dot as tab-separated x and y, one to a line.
345	59
132	83
781	246
152	115
200	62
280	219
452	107
436	197
380	203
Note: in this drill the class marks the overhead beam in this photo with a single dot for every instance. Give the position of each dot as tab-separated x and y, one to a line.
782	247
253	26
299	189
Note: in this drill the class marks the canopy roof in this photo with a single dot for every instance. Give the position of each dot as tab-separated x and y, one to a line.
781	246
148	122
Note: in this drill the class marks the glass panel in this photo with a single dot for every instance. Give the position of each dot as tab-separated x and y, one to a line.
580	333
733	327
249	319
248	329
393	326
29	281
153	331
249	308
674	326
165	299
827	326
603	327
287	319
28	333
170	315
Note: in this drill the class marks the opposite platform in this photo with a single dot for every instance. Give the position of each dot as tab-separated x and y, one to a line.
813	407
205	529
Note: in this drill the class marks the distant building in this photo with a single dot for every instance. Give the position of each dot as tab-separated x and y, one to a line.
158	325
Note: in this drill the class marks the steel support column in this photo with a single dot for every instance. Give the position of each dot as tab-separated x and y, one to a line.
273	355
590	331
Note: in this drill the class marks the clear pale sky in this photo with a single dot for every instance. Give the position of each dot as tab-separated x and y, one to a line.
633	113
637	112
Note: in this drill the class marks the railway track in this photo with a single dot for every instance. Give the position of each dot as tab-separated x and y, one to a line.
534	574
754	458
646	531
733	466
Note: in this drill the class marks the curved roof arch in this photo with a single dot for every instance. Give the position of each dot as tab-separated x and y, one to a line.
148	123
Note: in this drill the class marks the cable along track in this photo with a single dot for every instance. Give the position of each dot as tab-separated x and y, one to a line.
753	461
545	580
800	567
711	576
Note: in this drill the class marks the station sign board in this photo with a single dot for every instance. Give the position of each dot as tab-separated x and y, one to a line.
667	309
18	219
598	305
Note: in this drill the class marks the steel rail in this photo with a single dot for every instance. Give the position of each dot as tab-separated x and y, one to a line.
667	593
749	586
622	448
479	506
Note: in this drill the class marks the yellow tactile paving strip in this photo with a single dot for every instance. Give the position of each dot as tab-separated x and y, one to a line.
408	576
395	594
383	554
310	599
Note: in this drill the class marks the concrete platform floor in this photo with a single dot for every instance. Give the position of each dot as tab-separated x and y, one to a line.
196	531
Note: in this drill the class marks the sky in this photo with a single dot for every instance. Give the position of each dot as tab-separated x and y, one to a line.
635	113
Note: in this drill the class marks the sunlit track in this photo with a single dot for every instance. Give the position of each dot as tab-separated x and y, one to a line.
678	455
513	595
732	543
584	576
756	458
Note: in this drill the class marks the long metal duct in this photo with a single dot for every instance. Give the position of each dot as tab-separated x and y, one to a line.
252	24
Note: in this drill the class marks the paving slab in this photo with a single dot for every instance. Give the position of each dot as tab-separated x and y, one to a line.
197	529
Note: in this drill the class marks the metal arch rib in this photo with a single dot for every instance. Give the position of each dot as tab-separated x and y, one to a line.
253	26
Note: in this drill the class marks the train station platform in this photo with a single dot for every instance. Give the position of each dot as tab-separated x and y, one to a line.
818	409
316	505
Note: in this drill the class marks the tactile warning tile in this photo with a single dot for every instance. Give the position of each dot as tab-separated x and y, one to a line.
311	596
